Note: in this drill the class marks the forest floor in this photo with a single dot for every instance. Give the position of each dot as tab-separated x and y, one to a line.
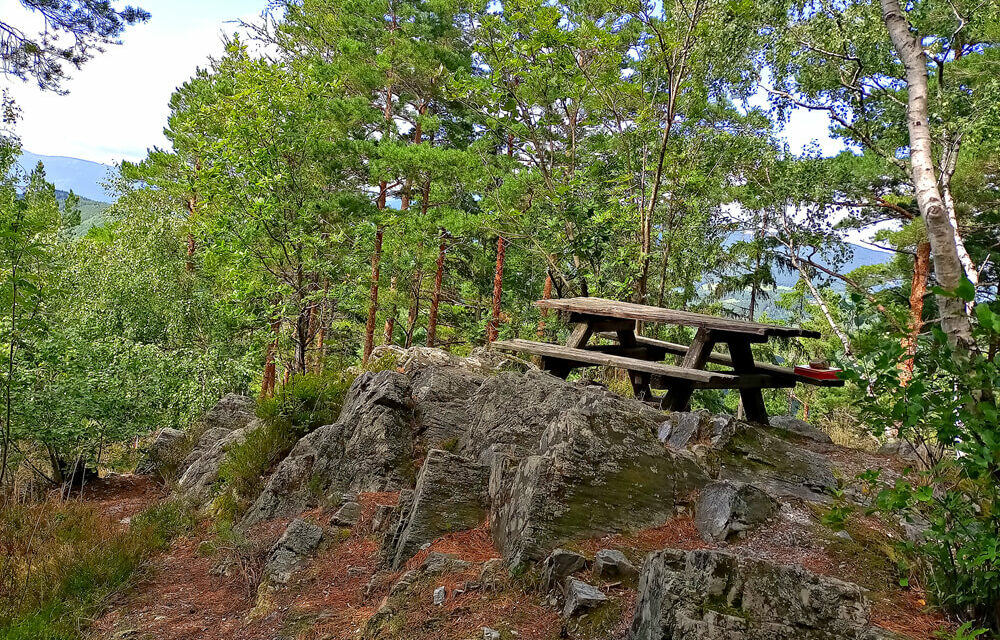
183	595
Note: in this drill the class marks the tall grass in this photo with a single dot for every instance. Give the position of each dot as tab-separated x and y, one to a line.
61	562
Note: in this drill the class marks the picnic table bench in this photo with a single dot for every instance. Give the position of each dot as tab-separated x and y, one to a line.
642	357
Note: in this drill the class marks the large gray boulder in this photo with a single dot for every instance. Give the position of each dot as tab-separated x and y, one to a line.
450	496
783	469
442	400
682	429
597	469
725	509
512	410
296	544
800	428
710	595
232	413
198	480
370	448
161	451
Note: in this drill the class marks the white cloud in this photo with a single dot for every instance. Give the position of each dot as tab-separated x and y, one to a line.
118	103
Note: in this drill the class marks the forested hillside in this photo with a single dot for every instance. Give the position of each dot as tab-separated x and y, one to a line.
537	149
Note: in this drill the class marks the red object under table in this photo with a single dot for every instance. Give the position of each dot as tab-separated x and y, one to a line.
817	374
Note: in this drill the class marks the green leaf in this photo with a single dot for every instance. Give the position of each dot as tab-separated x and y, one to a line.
989	320
966	290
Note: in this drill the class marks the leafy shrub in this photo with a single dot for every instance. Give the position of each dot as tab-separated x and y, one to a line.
306	403
948	410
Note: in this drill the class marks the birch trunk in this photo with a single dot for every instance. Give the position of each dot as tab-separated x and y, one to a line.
947	266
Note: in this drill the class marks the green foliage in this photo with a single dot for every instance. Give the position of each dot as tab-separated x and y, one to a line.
948	411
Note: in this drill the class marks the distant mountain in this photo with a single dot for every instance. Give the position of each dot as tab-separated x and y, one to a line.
786	280
91	212
82	177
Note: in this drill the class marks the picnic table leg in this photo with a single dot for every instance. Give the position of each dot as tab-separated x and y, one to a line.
753	399
580	336
557	367
578	339
639	379
679	395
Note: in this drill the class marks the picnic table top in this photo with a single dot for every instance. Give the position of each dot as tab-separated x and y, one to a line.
631	311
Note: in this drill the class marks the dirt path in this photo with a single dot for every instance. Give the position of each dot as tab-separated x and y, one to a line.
119	497
182	600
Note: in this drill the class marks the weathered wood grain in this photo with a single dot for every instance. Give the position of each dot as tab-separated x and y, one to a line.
700	379
631	311
662	346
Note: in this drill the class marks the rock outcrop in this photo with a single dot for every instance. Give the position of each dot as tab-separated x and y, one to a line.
758	456
199	478
442	404
450	495
370	448
231	413
164	446
710	595
597	468
226	424
725	509
296	544
800	428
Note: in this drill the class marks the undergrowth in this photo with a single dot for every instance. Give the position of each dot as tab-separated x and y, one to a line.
62	562
306	403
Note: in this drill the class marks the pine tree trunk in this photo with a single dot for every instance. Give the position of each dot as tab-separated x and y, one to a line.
436	297
380	203
270	368
373	295
493	329
947	265
411	320
918	287
390	319
546	294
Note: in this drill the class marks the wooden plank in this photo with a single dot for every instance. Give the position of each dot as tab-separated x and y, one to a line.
599	323
727	361
586	357
580	336
753	399
631	311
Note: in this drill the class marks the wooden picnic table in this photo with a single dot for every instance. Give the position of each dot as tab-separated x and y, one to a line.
642	356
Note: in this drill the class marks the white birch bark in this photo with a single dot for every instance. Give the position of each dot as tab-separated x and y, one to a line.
948	267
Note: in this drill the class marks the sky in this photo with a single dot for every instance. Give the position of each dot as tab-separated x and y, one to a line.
117	104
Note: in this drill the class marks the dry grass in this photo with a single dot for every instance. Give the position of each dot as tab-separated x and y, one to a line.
61	561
